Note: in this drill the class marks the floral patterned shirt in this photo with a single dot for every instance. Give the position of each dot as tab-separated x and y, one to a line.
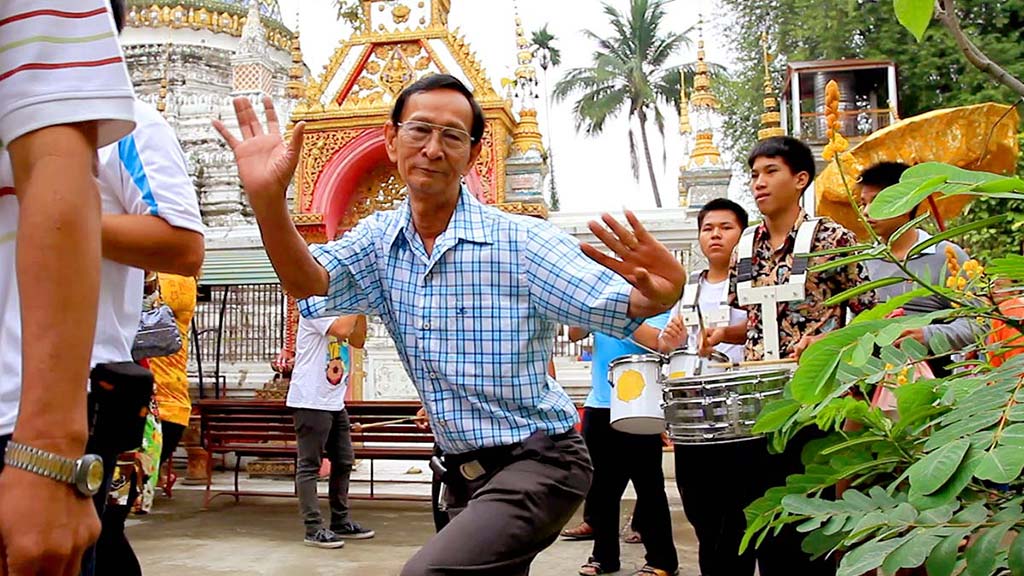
810	316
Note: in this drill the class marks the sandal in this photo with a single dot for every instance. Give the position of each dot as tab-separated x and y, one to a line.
632	537
592	568
652	571
583	531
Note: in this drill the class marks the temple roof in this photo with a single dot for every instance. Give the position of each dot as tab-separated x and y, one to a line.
218	16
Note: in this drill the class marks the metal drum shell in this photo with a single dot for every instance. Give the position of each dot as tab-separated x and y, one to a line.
643	414
720	408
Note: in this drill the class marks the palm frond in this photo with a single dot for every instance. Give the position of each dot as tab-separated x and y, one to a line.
634	160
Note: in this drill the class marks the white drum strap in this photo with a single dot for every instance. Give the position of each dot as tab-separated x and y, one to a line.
691	300
768	297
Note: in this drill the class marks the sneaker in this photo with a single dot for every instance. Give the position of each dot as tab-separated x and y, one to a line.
353	531
324	538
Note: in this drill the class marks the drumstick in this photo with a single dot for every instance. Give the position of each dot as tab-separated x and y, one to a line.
357	426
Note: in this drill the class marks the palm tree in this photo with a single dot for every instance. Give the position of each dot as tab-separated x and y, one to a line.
629	71
548	56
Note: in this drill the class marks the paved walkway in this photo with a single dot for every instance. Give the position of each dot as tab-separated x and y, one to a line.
263	535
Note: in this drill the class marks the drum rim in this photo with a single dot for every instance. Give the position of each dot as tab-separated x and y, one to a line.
634	358
722	357
726	375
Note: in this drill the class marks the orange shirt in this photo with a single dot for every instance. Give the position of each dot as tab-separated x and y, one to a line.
172	396
1007	335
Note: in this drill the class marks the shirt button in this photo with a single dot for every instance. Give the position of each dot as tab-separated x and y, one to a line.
426	325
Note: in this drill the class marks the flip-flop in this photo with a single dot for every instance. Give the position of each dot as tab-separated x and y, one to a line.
592	568
652	571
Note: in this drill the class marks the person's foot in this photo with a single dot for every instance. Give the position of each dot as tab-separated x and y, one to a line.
323	538
352	531
652	571
592	568
583	531
630	536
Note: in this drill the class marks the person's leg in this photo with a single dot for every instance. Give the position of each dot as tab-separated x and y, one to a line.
585	529
339	450
172	434
611	475
114	554
510	516
782	554
716	482
644	458
312	428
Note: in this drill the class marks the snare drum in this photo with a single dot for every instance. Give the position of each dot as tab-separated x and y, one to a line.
683	363
636	394
721	407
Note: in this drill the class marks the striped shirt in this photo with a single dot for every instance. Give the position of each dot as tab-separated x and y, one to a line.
60	63
474	321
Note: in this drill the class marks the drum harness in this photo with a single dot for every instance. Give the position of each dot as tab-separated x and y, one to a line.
768	297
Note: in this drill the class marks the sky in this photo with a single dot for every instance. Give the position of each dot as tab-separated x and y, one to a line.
592	173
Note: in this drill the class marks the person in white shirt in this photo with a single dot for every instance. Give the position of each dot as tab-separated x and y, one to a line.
323	364
150	221
64	92
712	478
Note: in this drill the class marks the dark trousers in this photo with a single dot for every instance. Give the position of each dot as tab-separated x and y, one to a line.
319	432
114	554
172	434
618	458
716	482
502	520
440	516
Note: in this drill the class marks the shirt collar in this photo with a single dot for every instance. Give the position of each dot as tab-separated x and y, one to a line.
469	222
763	234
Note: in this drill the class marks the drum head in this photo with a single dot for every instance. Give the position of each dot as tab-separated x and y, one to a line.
640	425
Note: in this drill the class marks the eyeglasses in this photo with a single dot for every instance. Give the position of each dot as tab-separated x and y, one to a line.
416	133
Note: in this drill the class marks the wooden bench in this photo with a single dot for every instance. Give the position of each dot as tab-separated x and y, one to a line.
265	428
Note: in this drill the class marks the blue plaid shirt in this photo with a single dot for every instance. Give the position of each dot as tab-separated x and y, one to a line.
474	322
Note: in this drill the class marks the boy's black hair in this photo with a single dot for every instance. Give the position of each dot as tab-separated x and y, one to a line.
883	175
117	9
719	204
441	82
793	152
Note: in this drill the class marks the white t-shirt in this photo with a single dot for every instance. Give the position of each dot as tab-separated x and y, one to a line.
322	367
60	63
712	298
143	173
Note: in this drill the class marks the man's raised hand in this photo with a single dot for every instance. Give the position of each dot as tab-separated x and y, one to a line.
656	274
265	162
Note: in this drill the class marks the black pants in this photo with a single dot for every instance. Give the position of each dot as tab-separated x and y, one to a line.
172	434
502	520
716	482
114	554
618	458
440	516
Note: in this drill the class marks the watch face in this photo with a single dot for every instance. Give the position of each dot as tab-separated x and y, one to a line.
94	475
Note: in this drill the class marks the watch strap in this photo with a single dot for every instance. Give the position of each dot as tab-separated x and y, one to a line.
40	462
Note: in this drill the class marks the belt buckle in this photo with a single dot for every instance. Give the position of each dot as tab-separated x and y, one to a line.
472	470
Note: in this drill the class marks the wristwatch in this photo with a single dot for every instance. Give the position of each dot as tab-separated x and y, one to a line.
85	473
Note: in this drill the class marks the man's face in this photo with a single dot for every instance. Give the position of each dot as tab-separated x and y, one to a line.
775	187
435	165
719	234
883	228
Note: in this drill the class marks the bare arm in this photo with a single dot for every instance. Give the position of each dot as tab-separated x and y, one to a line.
577	333
647	336
150	243
351	328
265	166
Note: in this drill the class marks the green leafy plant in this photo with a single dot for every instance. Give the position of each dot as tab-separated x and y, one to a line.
936	482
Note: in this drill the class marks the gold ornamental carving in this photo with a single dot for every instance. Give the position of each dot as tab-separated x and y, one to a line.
538	210
181	16
379	189
317	149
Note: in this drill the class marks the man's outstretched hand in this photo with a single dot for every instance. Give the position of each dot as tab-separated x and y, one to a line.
656	275
265	162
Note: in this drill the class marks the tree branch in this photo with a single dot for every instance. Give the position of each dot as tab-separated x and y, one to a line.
947	16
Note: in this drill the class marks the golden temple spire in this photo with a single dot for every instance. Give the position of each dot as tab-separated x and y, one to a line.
296	87
161	101
771	119
526	135
704	104
684	106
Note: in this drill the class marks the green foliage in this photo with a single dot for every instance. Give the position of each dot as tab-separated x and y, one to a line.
935	482
542	41
914	15
630	73
351	12
932	73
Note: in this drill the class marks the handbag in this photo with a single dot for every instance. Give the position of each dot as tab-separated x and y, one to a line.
158	333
